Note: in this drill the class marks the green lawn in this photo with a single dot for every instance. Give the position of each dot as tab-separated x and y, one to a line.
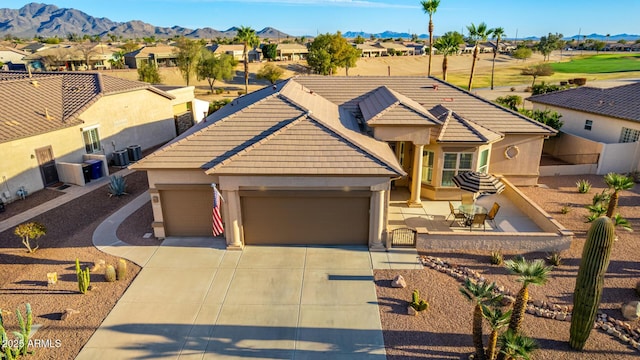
600	64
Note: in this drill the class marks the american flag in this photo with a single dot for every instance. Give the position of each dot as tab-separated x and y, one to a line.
217	227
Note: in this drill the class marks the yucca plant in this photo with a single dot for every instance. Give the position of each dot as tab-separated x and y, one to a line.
117	186
590	280
583	186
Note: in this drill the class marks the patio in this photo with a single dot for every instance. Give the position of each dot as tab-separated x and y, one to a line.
520	224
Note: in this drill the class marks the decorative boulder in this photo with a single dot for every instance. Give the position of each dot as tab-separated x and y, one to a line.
67	313
411	310
631	311
398	282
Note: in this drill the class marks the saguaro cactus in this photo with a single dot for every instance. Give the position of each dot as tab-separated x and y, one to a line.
588	290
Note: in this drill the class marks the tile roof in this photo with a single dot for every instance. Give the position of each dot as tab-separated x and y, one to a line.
310	125
387	107
457	129
622	102
49	101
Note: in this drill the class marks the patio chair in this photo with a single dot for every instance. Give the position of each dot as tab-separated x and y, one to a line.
478	219
467	198
491	216
456	214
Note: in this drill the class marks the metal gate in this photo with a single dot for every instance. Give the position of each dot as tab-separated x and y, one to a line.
403	237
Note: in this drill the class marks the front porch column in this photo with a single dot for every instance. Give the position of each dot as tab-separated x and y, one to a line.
233	219
377	220
416	177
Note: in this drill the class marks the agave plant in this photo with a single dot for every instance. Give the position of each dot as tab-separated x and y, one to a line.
583	186
117	185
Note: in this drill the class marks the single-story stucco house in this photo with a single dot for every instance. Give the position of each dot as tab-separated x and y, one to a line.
311	160
52	122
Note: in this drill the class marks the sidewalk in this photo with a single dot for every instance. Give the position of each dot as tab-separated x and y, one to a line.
70	193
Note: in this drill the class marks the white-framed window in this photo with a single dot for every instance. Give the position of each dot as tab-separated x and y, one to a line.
588	124
483	161
629	135
427	166
91	140
455	163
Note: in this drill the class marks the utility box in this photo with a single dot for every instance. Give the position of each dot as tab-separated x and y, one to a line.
121	158
135	152
96	168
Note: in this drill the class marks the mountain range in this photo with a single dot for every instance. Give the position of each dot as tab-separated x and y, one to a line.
44	20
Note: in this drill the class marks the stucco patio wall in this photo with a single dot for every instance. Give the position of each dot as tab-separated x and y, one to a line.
507	241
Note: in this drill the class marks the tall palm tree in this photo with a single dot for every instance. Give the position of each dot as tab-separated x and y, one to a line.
529	273
617	183
498	33
478	294
448	44
248	38
497	320
430	7
476	35
515	346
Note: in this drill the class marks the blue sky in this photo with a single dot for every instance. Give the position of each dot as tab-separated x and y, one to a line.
309	17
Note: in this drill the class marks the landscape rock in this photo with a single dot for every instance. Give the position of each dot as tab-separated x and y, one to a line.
411	311
98	265
631	311
52	278
92	288
398	282
68	313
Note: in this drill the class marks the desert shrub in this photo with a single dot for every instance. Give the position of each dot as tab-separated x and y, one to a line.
510	101
30	231
219	91
544	88
217	105
583	186
496	257
565	209
241	92
555	258
580	81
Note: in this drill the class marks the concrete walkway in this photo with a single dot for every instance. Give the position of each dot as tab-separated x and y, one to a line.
195	300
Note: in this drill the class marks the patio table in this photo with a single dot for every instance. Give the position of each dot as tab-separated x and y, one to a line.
470	210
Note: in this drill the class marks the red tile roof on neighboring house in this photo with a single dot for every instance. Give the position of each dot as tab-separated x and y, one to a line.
47	101
622	102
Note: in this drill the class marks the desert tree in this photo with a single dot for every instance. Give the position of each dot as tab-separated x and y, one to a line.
248	37
270	51
270	72
548	43
448	44
430	7
522	52
476	35
529	273
537	70
479	294
149	73
510	101
188	54
28	232
129	46
117	60
498	33
328	52
616	184
213	68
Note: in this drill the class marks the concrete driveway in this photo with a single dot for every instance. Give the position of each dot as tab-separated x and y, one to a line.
195	300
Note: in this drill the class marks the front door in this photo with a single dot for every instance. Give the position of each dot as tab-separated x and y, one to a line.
47	165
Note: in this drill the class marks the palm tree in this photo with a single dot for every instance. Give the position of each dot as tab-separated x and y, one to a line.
617	183
498	33
430	7
448	44
477	34
248	38
515	346
479	294
530	273
497	320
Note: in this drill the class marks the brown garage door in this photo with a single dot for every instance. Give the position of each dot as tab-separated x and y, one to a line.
187	212
305	217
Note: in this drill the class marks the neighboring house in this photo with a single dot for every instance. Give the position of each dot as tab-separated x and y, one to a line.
86	56
12	56
291	52
368	50
34	47
610	117
160	56
52	122
311	160
398	49
419	48
237	51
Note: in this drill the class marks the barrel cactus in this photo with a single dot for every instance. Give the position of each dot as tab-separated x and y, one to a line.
121	269
110	273
589	283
